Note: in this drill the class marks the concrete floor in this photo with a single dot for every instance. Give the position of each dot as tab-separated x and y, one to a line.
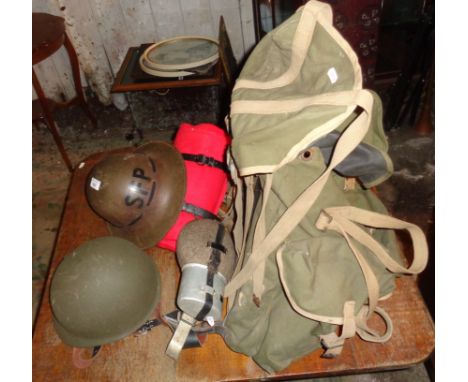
409	194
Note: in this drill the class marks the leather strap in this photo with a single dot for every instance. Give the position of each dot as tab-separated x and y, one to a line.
147	326
198	211
206	161
213	264
79	361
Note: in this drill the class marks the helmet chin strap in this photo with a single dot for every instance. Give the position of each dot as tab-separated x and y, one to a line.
82	363
79	361
187	336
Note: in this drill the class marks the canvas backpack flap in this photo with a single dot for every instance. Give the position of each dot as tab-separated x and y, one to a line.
322	274
284	79
288	93
291	132
326	67
252	148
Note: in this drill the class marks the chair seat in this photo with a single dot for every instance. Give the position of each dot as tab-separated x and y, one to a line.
48	35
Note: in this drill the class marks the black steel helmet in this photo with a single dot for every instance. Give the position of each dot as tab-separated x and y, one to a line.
103	291
140	194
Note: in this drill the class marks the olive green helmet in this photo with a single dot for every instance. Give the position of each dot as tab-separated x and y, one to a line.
103	291
140	194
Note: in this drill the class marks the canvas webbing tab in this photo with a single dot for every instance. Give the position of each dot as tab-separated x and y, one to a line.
249	204
180	335
347	142
249	201
334	344
259	235
238	231
355	324
242	224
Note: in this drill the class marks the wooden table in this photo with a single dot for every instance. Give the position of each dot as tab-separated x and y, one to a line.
143	359
130	78
162	102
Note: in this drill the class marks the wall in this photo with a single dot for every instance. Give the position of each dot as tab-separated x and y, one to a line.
103	30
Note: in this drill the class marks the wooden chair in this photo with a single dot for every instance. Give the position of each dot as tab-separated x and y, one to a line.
48	35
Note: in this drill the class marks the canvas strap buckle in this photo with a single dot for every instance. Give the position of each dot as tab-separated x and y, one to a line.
323	221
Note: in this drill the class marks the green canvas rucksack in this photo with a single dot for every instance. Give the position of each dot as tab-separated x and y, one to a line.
317	248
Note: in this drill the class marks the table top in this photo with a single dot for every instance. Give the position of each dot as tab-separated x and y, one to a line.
131	78
143	358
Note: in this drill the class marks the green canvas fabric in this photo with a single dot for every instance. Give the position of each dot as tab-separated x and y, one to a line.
320	269
305	266
254	135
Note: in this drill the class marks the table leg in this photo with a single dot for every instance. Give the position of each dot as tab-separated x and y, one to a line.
50	120
77	79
